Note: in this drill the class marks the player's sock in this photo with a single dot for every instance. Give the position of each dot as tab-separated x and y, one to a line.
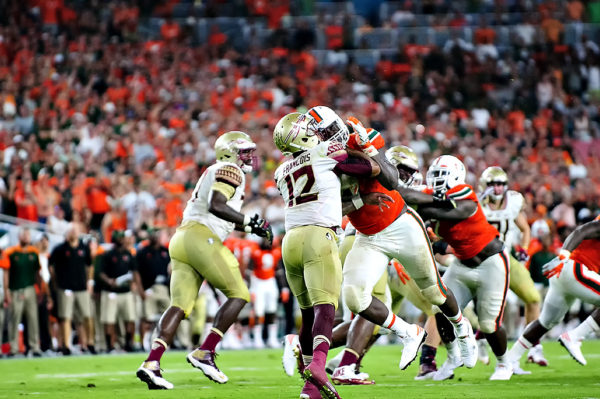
158	348
306	359
350	357
320	350
588	326
272	331
321	332
427	354
212	340
458	322
396	324
519	348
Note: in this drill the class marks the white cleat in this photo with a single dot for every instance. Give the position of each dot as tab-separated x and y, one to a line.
149	372
573	347
205	361
517	370
334	362
503	372
482	352
289	360
446	372
536	355
412	343
347	375
468	347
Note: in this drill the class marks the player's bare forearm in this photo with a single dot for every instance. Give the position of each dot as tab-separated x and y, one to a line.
218	207
586	231
463	210
414	197
388	177
521	222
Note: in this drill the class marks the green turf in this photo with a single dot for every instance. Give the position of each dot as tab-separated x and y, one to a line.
258	374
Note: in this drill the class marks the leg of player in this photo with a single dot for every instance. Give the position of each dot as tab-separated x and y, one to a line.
359	335
305	354
427	365
571	340
536	354
203	357
448	337
462	329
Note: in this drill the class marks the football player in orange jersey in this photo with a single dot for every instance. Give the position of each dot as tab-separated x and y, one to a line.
481	268
264	293
397	232
573	275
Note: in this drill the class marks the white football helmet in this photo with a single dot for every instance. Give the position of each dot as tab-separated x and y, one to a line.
327	125
445	172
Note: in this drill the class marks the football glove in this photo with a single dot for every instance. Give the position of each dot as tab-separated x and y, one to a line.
363	137
522	255
553	268
441	198
260	227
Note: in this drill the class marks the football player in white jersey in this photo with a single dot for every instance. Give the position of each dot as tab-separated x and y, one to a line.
310	187
503	208
197	254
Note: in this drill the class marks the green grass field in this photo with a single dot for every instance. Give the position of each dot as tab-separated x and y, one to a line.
258	374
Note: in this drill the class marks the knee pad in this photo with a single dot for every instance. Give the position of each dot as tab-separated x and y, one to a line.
487	326
356	298
434	295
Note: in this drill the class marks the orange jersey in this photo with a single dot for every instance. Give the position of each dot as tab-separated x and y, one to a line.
469	236
588	253
265	262
369	219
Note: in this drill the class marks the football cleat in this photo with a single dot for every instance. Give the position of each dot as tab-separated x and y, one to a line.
503	372
426	371
334	363
205	361
446	372
318	377
573	347
468	346
149	372
310	391
290	358
347	375
482	352
412	343
517	370
537	356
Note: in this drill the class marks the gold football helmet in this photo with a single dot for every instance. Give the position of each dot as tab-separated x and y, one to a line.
238	148
291	134
490	178
407	163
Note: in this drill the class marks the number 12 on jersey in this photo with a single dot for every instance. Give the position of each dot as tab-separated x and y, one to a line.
299	184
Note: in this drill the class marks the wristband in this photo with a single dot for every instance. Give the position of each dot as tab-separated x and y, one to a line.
247	220
564	254
370	150
357	201
91	282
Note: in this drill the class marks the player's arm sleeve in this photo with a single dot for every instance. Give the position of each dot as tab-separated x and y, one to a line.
590	230
464	209
414	197
227	179
354	166
388	177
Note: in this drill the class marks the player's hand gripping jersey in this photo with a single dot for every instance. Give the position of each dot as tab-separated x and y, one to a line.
369	219
470	236
310	185
226	178
504	219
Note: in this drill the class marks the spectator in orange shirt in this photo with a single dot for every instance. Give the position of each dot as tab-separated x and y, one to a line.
553	29
25	200
484	34
97	193
170	30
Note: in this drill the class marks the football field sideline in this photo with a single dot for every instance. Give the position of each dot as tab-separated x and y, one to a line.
258	374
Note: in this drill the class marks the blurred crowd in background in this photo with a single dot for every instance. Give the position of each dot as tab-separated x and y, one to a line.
109	109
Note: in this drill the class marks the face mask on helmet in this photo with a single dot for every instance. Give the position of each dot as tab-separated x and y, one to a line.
406	175
445	173
497	189
327	125
248	160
